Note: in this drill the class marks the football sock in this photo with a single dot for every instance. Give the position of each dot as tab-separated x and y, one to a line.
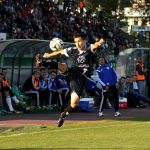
8	101
67	111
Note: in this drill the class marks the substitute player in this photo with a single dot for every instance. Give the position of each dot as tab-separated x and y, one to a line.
82	67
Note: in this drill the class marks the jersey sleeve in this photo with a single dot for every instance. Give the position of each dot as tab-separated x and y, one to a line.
66	52
69	51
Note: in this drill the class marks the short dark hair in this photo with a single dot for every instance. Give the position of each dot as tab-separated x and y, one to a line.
41	69
103	57
53	72
123	77
128	77
80	34
34	72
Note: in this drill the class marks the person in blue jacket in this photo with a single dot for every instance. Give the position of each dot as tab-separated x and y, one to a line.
91	87
109	81
64	89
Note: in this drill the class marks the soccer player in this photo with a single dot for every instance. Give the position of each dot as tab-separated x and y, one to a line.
82	67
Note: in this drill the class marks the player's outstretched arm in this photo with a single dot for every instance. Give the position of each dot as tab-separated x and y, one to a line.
97	44
48	55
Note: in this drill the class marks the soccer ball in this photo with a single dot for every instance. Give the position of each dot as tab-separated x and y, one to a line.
56	44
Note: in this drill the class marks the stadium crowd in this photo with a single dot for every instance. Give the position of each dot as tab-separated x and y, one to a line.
44	20
28	19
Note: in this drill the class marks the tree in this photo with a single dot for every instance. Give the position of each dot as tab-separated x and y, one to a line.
143	6
106	6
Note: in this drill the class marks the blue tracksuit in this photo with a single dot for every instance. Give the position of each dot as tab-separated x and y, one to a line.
91	85
107	75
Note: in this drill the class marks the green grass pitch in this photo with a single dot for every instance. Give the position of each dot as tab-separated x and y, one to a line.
133	134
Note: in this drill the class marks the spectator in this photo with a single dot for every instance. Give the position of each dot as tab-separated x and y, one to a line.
134	94
135	87
1	103
54	91
43	91
132	88
7	92
140	73
128	88
66	5
91	87
31	87
64	90
32	83
109	81
30	21
7	87
82	5
1	97
123	89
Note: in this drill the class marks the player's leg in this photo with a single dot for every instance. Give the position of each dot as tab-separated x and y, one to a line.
76	88
73	104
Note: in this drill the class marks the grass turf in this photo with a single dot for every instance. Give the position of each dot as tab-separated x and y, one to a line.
104	135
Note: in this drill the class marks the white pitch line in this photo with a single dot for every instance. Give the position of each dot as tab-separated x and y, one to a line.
73	129
19	124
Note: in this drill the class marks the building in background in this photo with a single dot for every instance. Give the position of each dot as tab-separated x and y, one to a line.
138	19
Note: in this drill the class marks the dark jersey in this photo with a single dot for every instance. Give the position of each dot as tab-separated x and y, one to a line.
81	59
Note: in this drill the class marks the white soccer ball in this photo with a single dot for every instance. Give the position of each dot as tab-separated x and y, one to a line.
56	44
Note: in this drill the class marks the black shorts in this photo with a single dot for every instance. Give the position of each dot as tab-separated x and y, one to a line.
76	80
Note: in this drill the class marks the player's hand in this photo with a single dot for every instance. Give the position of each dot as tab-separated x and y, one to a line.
46	55
98	43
